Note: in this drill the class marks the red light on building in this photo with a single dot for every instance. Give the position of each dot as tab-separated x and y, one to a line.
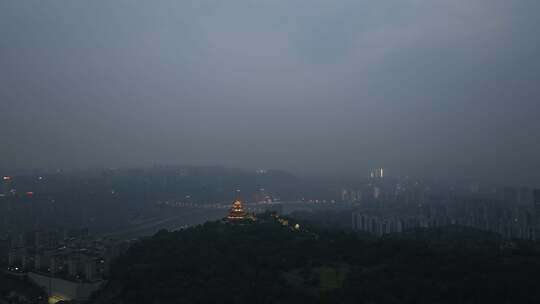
29	194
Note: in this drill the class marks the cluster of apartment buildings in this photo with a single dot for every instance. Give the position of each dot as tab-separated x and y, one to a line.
508	220
67	264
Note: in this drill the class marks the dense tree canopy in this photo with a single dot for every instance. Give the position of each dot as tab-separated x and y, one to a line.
267	262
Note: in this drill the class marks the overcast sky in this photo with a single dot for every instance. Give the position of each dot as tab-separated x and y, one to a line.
422	87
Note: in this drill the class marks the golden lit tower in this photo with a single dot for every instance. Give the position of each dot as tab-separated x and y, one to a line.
237	212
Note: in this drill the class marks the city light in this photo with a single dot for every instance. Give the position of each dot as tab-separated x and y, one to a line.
55	299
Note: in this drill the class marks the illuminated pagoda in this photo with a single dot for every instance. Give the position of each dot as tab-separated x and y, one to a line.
237	213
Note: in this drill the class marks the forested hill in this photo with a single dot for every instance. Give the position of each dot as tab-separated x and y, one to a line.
269	262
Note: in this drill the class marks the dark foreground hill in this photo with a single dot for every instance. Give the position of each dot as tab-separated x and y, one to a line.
267	262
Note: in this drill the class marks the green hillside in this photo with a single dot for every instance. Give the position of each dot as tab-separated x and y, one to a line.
267	262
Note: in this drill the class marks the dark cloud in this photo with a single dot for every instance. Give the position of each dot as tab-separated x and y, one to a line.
441	88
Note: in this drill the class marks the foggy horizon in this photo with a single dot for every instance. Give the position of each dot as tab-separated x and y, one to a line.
445	89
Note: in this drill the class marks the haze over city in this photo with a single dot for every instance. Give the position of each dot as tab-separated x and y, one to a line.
269	151
424	88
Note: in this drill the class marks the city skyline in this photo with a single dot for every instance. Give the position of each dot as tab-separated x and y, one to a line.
269	151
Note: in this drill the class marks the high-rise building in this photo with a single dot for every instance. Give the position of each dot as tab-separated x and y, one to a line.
7	185
536	200
510	195
525	196
536	195
376	193
377	173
